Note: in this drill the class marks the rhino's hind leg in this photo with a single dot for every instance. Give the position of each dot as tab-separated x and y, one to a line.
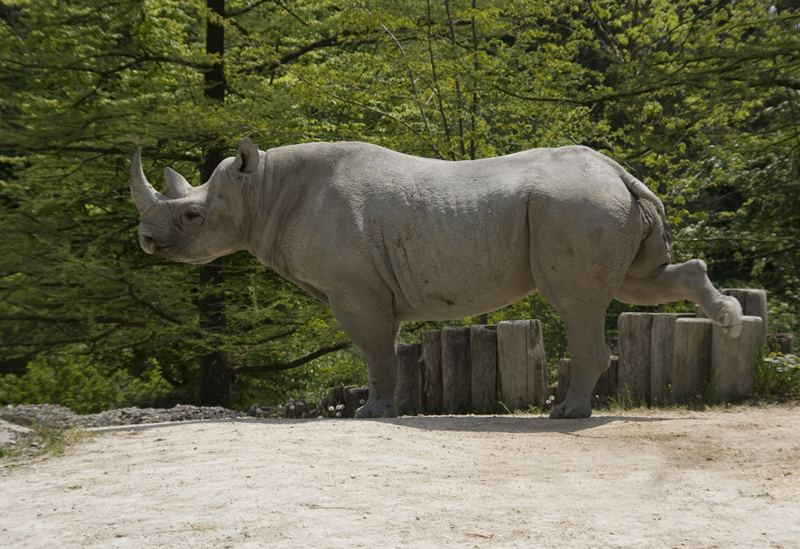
588	360
371	327
668	283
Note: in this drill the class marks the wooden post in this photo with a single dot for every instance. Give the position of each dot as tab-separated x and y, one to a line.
456	371
754	303
483	359
782	343
606	386
661	350
537	363
635	335
408	395
564	377
354	398
733	361
431	371
604	389
691	359
521	363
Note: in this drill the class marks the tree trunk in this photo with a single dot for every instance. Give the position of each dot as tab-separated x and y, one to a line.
215	376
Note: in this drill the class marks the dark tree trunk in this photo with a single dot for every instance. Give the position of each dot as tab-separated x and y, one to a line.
215	376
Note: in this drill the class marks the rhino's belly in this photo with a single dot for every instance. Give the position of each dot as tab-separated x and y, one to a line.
460	277
450	305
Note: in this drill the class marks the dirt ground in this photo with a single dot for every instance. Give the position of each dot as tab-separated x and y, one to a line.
662	479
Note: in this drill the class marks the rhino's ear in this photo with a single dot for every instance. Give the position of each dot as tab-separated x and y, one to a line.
247	160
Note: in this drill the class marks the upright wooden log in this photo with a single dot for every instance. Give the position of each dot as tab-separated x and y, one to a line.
431	371
483	360
782	343
564	377
606	387
512	363
733	361
691	359
604	390
408	395
635	335
754	303
537	363
355	398
456	371
661	349
521	363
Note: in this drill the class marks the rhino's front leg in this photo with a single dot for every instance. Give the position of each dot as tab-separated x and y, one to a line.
371	326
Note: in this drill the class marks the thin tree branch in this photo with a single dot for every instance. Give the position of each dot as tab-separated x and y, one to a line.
294	363
752	257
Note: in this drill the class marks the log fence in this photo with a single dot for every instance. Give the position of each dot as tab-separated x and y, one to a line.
664	358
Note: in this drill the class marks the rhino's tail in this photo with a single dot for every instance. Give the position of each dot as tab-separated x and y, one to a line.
640	190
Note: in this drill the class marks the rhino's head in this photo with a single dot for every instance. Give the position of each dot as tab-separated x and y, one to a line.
195	224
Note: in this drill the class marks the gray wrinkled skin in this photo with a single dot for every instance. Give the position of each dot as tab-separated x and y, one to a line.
384	237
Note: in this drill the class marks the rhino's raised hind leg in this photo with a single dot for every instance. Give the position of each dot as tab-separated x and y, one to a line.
371	326
652	279
668	283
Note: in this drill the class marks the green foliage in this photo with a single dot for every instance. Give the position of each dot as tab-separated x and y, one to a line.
80	384
697	99
778	376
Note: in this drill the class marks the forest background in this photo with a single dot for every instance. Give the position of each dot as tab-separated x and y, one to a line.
698	99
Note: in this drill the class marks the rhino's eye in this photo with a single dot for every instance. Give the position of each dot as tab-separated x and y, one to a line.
191	217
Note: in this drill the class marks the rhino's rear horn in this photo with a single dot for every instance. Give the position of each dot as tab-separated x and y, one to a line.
143	194
177	186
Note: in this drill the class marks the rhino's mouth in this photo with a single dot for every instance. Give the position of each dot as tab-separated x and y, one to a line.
171	254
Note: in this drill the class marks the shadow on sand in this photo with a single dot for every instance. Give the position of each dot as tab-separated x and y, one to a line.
476	424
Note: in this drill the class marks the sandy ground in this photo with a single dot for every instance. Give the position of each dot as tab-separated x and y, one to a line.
676	479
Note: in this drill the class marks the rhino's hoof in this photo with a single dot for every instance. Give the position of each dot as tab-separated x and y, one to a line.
577	408
374	410
731	320
733	331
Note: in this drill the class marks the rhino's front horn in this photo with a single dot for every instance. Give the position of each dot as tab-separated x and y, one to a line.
177	186
143	194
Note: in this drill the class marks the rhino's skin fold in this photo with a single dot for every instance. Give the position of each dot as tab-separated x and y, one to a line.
384	237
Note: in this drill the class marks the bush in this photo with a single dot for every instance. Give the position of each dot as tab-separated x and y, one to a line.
81	385
778	375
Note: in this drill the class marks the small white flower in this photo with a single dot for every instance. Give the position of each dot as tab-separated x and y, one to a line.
338	414
291	407
330	408
362	401
340	407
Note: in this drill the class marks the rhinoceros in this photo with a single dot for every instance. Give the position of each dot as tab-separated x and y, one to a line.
383	237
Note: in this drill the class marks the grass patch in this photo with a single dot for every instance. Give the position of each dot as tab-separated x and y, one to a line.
45	440
625	403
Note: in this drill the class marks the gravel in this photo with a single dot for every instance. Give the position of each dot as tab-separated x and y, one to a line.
61	417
